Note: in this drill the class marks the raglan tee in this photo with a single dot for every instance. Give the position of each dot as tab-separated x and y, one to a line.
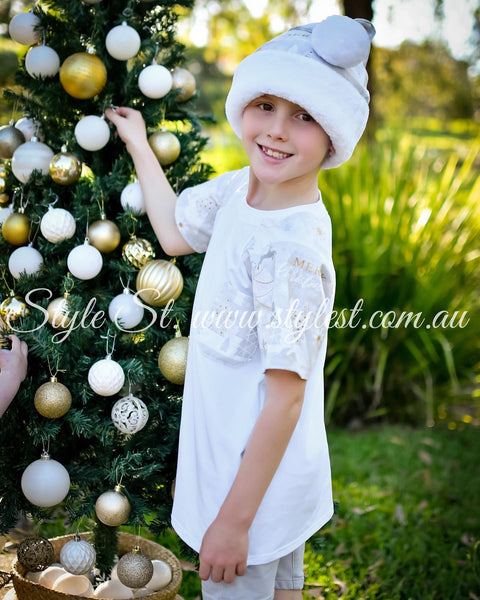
263	301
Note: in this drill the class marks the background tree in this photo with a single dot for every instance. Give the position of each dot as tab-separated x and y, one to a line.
96	453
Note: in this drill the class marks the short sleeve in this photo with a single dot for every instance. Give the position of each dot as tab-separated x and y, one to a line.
293	286
197	207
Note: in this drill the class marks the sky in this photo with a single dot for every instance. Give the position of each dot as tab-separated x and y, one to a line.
397	20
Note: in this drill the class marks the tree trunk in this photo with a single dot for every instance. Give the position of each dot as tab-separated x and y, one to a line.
363	9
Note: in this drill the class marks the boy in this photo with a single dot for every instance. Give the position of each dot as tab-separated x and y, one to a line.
13	369
253	479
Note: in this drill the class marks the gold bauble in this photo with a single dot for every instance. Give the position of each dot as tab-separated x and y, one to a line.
65	168
16	229
134	569
104	235
10	139
12	308
35	554
112	507
158	282
53	399
165	146
172	360
83	75
4	198
137	252
57	312
185	81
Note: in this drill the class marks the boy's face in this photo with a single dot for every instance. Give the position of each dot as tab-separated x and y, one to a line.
282	141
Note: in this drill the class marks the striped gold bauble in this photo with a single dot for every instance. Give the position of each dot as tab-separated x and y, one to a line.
159	281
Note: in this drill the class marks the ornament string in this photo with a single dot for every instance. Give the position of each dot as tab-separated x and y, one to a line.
107	338
57	370
124	285
31	238
131	230
68	284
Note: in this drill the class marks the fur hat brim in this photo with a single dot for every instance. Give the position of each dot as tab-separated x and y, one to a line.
331	99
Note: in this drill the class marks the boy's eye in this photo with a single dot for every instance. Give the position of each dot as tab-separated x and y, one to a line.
306	117
266	106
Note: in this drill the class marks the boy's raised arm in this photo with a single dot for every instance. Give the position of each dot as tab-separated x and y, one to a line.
159	197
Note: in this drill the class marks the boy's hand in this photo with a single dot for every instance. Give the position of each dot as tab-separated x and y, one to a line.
223	554
15	361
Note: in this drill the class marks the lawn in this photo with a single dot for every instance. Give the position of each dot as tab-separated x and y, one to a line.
407	523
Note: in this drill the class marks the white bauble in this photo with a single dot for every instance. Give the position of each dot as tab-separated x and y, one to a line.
113	589
92	133
106	377
57	224
5	212
123	42
131	198
85	261
25	259
48	577
155	81
45	482
126	310
42	61
75	585
30	128
162	575
78	556
22	29
129	414
30	156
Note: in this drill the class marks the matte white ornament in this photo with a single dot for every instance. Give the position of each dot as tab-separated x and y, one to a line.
48	577
131	198
155	81
341	41
31	156
78	556
129	414
113	589
75	585
5	212
30	128
42	61
45	482
57	224
85	261
25	259
92	133
22	29
123	42
162	575
106	377
126	310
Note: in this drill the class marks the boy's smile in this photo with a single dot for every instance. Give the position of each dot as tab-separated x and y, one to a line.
286	148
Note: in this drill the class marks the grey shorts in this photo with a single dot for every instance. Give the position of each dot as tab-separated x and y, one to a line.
260	581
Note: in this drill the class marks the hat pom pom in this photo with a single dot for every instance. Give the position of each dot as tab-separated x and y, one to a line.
341	41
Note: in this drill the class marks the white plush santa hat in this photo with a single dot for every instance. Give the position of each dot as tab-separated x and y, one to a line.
320	67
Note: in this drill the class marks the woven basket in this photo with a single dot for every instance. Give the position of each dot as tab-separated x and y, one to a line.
28	590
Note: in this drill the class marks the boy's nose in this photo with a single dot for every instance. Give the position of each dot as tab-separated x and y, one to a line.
278	127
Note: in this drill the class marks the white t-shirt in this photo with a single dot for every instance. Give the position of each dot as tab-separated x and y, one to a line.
263	301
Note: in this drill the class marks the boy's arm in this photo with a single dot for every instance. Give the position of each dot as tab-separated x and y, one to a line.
13	369
158	195
224	549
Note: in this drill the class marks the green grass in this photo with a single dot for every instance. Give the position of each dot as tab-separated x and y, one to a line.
407	524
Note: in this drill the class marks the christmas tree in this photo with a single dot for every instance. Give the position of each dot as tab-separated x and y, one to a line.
83	280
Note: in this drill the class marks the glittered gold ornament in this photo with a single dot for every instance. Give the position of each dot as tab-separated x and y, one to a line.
104	235
4	198
185	82
57	312
35	554
165	146
134	569
53	399
12	308
172	360
137	252
113	508
10	139
158	282
83	75
16	229
65	168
